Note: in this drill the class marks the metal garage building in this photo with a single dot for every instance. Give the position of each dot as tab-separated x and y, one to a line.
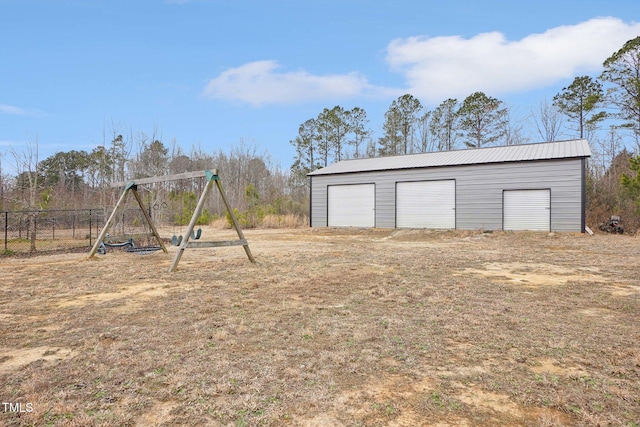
518	187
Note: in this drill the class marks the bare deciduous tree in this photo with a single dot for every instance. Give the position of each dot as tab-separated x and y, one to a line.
548	121
513	132
26	163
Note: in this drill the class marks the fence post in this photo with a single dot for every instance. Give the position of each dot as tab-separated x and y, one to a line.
34	234
53	228
6	229
90	243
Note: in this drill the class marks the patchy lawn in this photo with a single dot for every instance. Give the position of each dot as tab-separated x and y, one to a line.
330	327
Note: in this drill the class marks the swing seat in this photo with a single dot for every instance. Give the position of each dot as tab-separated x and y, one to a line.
102	249
196	234
119	245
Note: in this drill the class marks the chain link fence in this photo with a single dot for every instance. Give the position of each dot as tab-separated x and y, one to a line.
27	231
51	230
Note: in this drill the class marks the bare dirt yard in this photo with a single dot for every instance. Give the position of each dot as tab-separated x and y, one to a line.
331	327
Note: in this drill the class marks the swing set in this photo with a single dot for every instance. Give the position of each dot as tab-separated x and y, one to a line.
183	242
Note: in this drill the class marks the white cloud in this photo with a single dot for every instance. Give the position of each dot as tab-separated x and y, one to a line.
438	68
9	109
260	83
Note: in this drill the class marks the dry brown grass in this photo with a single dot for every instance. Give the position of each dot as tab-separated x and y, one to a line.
329	328
284	221
220	224
287	221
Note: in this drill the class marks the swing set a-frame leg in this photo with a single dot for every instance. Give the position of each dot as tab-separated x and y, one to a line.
235	222
192	223
133	188
148	219
211	178
106	227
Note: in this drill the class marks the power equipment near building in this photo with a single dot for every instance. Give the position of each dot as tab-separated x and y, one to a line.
537	187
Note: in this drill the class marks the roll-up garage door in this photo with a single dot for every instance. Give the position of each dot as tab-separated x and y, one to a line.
527	210
426	204
351	205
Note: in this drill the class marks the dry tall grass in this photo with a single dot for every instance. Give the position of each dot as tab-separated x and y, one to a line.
270	221
284	221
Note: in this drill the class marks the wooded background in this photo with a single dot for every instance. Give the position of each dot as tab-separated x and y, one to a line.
604	109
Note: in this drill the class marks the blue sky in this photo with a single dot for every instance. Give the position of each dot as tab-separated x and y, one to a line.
212	73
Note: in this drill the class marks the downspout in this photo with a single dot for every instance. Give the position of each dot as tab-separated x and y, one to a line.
310	201
584	196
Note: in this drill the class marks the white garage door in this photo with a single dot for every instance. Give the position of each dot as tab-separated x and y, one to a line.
426	204
351	205
527	210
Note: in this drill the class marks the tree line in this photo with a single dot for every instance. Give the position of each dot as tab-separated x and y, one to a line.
605	109
255	185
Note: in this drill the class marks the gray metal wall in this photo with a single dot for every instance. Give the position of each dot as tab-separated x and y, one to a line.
478	191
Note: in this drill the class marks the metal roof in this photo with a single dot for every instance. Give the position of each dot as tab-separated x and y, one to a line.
577	148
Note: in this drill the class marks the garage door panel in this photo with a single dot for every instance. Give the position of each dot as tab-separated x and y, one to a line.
351	205
527	210
426	204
